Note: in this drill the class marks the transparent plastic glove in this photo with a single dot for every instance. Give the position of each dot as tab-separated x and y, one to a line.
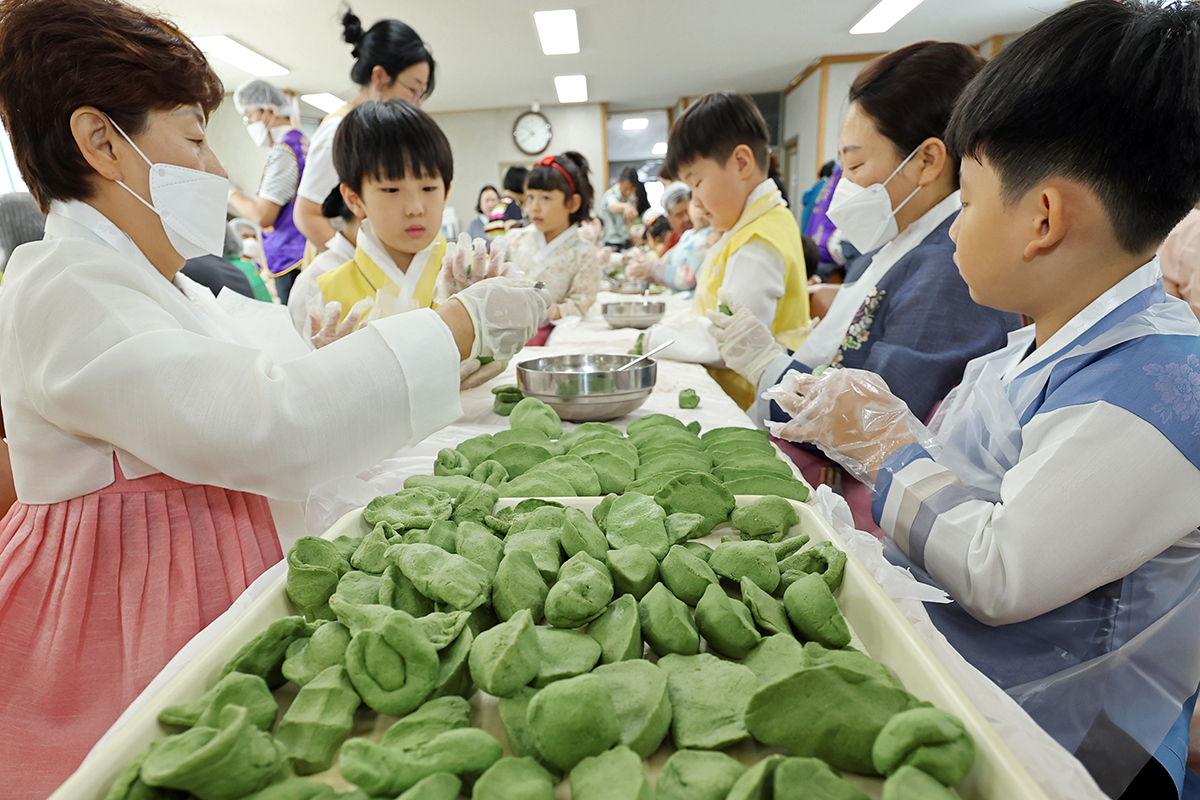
453	276
850	414
324	321
471	373
639	266
746	344
505	312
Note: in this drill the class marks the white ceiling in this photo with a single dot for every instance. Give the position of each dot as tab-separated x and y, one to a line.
635	53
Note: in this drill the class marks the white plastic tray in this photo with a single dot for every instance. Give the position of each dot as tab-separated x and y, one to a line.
878	628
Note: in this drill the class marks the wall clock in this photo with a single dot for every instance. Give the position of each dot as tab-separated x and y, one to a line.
531	133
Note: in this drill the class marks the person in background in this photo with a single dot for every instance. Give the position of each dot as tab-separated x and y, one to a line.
1179	257
489	196
618	209
390	61
508	212
656	235
219	272
675	200
809	200
1055	501
643	199
147	428
268	114
338	251
812	256
719	146
559	198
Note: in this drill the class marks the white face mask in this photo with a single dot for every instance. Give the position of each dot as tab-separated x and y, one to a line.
251	249
258	133
190	204
865	215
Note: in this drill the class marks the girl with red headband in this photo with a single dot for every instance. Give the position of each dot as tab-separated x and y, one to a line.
558	197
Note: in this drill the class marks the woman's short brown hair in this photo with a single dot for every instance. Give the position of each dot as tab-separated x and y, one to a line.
58	55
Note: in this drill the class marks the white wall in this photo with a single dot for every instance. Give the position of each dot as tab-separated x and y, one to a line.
483	146
242	160
800	112
836	103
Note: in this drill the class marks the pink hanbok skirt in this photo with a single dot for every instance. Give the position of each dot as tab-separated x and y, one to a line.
97	593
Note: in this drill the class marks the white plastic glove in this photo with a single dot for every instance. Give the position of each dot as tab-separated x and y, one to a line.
747	345
638	267
471	373
324	324
466	263
850	414
506	313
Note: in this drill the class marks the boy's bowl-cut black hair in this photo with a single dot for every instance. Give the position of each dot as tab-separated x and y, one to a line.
546	177
713	127
1104	92
514	179
390	140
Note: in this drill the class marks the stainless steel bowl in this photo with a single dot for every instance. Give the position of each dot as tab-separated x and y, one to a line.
632	315
587	387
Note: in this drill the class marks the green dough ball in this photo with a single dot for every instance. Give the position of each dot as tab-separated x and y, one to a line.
538	484
741	454
502	407
910	783
775	657
805	778
263	655
788	546
683	526
565	654
573	719
929	739
383	772
307	657
728	474
726	623
222	763
755	464
770	484
621	448
514	716
514	779
491	472
542	517
290	789
520	457
543	545
575	470
653	484
438	786
613	472
672	459
525	435
442	577
508	388
397	591
756	783
583	590
816	654
475	502
714	435
639	693
368	556
394	668
318	721
600	512
412	508
581	535
753	559
636	519
694	427
454	672
477	449
451	462
634	570
697	775
652	420
518	585
688	398
823	559
697	494
506	657
686	575
767	612
667	625
811	608
236	688
443	627
476	543
615	775
708	700
533	413
658	436
440	534
359	588
768	518
699	549
432	719
618	631
827	711
314	568
587	431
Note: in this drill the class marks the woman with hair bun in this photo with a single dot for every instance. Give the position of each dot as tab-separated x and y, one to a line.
391	61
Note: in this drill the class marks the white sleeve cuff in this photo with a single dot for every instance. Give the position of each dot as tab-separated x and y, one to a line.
425	348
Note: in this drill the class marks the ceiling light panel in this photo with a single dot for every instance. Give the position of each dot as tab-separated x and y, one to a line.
240	56
325	101
571	88
558	31
660	149
884	15
634	123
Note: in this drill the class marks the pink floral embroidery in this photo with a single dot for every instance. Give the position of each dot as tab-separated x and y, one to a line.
860	328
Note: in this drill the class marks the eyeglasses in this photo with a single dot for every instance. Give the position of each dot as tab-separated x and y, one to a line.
417	92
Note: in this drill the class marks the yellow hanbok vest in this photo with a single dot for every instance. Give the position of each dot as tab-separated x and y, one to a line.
361	277
774	224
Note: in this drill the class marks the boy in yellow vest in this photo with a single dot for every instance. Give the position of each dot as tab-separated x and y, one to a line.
395	168
719	147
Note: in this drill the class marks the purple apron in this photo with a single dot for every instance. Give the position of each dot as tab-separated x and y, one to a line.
819	227
283	244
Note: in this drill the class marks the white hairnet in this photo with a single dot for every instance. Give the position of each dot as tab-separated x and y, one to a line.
243	227
674	193
257	93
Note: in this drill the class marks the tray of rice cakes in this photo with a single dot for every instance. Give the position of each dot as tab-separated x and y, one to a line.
591	614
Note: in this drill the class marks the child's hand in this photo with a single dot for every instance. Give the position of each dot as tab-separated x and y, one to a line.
324	323
850	414
747	345
639	266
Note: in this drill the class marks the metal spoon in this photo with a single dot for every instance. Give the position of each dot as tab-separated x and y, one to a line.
662	346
